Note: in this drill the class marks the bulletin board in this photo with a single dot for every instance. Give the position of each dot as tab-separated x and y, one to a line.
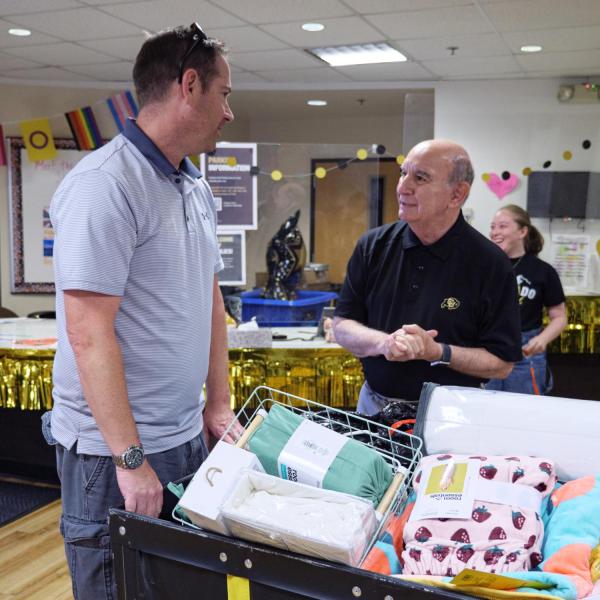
31	187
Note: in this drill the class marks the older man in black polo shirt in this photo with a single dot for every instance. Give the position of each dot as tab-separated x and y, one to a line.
428	298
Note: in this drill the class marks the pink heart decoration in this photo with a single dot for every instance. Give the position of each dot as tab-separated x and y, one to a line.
500	186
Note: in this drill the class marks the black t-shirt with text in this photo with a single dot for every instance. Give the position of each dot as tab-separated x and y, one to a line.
539	285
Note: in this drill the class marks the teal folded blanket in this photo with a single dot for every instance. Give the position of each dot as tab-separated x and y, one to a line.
357	469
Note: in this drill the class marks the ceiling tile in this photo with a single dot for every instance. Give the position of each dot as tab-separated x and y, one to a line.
124	47
431	23
119	71
469	66
8	62
247	39
77	24
488	44
542	14
267	11
156	15
261	35
563	73
582	61
556	40
14	41
244	77
273	60
46	74
19	7
344	30
107	2
406	71
60	54
477	77
318	75
380	6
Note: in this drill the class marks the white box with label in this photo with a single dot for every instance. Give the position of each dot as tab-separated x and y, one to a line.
212	484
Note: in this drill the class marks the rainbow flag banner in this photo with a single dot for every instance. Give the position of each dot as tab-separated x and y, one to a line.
38	139
2	149
84	128
122	106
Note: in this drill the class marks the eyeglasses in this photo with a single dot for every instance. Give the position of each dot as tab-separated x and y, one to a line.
197	38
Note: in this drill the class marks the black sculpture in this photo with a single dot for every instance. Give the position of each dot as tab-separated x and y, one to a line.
286	256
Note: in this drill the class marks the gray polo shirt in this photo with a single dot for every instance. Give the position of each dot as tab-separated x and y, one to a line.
128	224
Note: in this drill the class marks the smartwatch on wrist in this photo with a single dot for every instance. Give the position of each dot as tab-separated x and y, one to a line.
444	360
132	458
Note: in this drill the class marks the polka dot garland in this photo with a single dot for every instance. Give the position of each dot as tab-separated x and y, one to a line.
363	153
320	172
526	171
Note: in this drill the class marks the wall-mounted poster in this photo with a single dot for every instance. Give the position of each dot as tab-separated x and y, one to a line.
570	258
228	172
232	246
31	187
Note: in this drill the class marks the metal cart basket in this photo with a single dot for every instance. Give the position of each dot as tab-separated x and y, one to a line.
157	559
401	450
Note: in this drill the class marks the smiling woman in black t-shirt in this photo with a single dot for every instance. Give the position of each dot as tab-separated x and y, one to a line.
539	286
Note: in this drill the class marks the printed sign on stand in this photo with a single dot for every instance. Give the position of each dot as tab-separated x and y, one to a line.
232	246
228	172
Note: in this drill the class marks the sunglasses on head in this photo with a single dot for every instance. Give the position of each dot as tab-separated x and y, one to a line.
198	37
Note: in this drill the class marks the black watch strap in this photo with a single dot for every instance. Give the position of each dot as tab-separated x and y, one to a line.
444	361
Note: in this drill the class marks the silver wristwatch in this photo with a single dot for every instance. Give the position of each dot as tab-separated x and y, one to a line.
132	458
444	360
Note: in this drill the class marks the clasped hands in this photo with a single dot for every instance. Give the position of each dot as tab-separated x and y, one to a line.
411	342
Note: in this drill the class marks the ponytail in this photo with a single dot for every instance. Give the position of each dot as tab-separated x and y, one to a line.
534	240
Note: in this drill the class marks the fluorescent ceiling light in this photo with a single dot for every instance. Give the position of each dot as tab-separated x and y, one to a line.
313	27
359	54
316	102
19	32
531	48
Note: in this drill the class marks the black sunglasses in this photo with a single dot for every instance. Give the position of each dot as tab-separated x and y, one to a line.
197	38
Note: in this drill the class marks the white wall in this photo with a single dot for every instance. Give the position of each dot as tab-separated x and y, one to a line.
508	125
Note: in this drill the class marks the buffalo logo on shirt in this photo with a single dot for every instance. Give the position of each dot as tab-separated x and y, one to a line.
450	303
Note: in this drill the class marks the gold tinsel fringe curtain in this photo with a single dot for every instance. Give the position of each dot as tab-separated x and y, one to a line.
328	376
331	377
25	383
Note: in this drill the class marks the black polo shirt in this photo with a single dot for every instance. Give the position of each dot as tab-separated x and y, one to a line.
463	285
539	285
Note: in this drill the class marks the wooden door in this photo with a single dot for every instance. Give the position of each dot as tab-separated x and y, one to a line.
345	204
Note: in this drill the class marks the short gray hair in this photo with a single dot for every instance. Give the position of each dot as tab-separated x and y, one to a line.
462	170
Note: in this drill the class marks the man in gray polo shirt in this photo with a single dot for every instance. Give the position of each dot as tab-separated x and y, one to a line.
140	315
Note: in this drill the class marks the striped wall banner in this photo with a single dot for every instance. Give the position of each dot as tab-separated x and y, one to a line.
2	148
84	128
121	107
